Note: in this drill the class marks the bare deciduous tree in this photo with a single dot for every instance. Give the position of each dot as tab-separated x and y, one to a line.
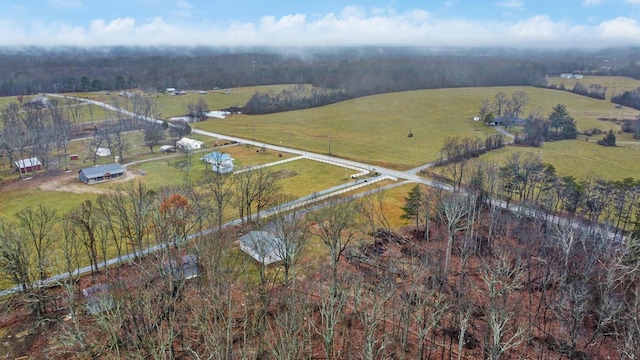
451	211
502	279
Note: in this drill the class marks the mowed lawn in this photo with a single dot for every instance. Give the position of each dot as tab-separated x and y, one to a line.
580	159
375	128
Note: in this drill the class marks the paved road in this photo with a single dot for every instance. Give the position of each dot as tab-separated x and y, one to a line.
409	176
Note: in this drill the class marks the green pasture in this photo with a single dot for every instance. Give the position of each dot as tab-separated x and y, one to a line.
173	105
6	100
580	159
614	84
305	177
375	128
61	201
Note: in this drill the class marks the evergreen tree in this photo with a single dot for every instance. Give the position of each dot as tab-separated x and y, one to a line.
563	125
609	139
412	208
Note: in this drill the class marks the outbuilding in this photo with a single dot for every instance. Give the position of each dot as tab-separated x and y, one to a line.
263	246
184	269
101	173
28	165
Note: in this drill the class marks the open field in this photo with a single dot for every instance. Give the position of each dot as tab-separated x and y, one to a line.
376	127
614	84
580	159
173	105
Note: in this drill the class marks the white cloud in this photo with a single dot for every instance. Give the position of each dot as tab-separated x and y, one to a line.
119	25
184	4
621	28
633	2
350	26
511	4
183	9
591	2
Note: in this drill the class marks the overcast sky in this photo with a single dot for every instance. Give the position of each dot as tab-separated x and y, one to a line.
526	23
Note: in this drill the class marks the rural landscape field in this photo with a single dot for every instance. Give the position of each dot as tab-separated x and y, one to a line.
233	180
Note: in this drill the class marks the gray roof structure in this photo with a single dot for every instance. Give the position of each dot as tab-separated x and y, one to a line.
102	170
263	247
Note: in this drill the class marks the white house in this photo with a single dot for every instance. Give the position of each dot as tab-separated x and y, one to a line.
220	162
187	144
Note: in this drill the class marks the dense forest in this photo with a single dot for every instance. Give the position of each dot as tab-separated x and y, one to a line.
359	71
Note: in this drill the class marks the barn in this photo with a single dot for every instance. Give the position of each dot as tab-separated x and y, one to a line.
28	165
263	247
97	174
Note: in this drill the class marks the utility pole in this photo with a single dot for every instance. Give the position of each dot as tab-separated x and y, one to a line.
329	143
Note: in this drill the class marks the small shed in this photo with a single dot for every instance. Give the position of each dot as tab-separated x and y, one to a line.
28	165
184	269
96	174
263	247
99	298
220	162
187	144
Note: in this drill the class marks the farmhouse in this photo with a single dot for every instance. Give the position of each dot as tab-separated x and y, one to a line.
220	162
508	121
28	165
187	144
263	247
96	174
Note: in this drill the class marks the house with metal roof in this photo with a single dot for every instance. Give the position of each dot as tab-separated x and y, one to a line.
220	162
96	174
263	246
183	269
187	144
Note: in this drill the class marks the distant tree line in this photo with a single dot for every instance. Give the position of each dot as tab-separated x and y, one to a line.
630	98
595	91
292	99
355	71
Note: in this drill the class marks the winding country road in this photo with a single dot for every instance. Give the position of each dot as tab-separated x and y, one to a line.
409	176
